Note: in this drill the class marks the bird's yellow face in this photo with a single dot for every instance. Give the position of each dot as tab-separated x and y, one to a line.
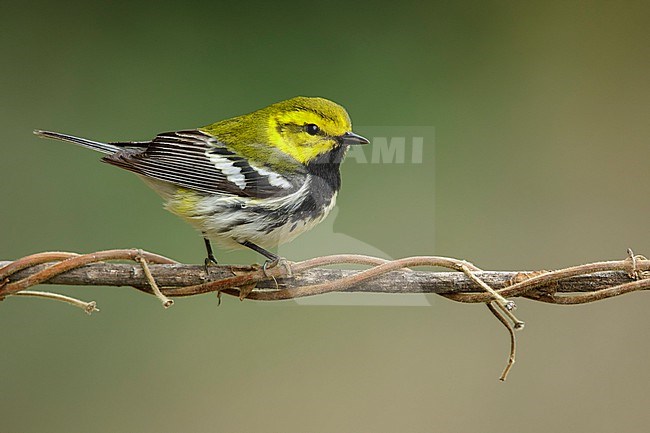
308	127
302	128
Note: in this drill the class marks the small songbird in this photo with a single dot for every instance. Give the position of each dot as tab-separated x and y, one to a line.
256	180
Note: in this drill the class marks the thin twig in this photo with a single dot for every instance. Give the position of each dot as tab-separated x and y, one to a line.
578	284
72	262
513	341
553	277
502	303
506	304
354	279
88	307
166	302
599	295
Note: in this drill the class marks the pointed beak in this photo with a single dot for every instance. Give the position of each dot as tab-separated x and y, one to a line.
352	138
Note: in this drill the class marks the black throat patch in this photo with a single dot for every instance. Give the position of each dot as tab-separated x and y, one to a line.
325	179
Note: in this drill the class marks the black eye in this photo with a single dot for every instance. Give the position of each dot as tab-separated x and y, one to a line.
312	129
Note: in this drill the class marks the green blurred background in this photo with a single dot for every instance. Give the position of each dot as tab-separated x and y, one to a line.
540	160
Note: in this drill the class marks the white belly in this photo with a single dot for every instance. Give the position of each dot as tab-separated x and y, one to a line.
229	220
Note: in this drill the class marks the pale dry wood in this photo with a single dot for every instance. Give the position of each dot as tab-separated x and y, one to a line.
182	275
577	284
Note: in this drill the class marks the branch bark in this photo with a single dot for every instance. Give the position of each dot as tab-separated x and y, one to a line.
163	277
169	276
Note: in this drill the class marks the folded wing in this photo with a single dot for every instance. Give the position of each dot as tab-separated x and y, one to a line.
198	161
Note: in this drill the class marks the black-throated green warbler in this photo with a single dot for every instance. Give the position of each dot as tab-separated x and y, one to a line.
256	180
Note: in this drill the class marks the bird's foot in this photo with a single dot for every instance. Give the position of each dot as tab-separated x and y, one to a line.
209	261
278	261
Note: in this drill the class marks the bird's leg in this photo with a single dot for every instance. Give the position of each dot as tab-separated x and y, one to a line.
268	254
272	259
210	259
